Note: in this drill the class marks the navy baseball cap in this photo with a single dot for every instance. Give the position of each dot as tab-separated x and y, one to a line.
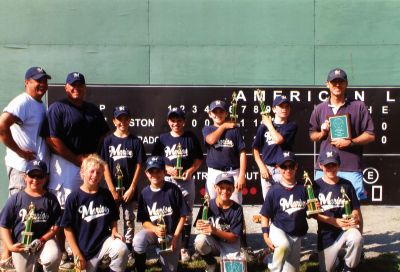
329	157
224	177
286	156
36	73
36	165
337	73
121	110
155	162
279	100
176	112
75	77
217	104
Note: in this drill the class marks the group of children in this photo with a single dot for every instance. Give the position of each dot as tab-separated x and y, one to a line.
165	206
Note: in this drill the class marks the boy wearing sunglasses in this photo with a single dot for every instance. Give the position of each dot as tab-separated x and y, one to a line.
283	217
36	204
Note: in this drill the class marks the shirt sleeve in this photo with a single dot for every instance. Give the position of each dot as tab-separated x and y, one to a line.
8	214
197	151
367	125
142	214
17	108
158	149
259	139
290	133
314	124
236	225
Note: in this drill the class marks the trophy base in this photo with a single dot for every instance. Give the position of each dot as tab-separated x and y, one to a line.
159	250
352	227
314	212
344	216
178	178
264	113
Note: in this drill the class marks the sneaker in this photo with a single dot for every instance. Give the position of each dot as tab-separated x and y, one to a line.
131	261
211	267
7	265
66	262
185	256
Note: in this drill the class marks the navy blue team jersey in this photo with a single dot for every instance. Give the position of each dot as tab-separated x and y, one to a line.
229	220
168	201
80	129
90	216
271	152
127	152
13	215
332	203
226	151
286	208
166	146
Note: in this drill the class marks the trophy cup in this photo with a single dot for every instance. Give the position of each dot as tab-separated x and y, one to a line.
313	206
120	187
178	165
27	233
233	114
204	214
263	109
347	208
163	241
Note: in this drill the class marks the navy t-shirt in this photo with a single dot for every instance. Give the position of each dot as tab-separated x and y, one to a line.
332	203
80	129
90	216
166	146
226	151
286	208
270	151
229	220
127	152
168	201
13	215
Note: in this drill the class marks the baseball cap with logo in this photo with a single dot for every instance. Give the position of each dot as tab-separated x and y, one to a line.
36	73
176	112
337	73
217	104
121	110
36	165
330	156
224	177
155	162
75	77
279	100
286	156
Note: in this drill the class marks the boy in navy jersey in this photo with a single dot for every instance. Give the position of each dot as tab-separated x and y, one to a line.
283	217
332	239
124	150
159	200
221	235
45	214
90	221
273	136
225	150
191	159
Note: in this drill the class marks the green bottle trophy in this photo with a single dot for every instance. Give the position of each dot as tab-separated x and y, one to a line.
163	241
27	234
204	213
313	206
234	115
263	108
120	186
178	165
347	208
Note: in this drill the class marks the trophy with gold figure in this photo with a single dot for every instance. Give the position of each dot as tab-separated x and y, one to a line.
313	206
120	186
27	234
178	165
163	241
234	115
263	108
347	208
204	213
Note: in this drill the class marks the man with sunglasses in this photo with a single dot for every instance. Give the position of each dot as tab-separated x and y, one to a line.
361	127
283	217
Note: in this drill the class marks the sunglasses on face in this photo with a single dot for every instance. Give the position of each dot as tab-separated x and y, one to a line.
36	176
290	166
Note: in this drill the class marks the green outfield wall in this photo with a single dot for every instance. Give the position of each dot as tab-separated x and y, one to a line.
199	42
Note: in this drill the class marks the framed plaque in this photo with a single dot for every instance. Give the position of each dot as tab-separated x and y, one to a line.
340	126
233	265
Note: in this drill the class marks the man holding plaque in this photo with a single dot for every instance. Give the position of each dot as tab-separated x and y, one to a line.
340	225
344	125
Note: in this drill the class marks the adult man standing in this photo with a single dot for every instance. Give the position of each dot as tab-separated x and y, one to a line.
20	125
361	130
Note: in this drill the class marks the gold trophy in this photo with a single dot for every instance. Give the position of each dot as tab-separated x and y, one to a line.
178	165
347	208
313	206
263	108
163	241
120	186
27	234
234	115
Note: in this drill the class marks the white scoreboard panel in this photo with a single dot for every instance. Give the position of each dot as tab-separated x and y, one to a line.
150	104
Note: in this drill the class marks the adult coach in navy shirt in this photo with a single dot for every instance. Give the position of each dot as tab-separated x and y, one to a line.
361	127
